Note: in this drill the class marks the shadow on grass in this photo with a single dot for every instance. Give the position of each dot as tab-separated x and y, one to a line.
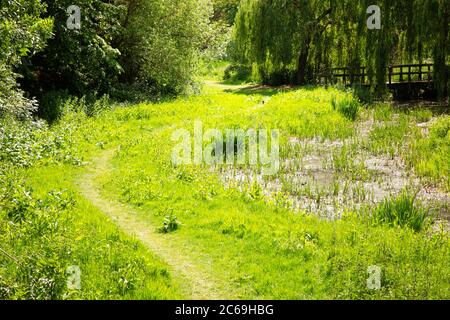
436	107
266	90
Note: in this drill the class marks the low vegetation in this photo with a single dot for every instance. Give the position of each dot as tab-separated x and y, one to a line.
430	152
92	206
256	243
402	211
46	226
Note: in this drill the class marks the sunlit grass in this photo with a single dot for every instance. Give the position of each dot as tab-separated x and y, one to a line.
259	249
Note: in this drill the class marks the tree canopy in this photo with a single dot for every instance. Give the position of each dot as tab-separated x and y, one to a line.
22	32
299	40
149	45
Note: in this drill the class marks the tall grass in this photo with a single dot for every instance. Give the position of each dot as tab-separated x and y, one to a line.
262	251
429	154
349	107
252	247
402	211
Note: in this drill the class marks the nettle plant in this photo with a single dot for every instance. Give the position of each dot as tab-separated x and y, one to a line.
33	238
170	222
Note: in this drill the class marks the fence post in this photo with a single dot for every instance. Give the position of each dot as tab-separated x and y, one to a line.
390	74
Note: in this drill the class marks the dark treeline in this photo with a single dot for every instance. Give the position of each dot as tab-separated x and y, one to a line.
300	40
122	48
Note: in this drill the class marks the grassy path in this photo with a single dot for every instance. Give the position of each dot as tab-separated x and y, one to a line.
233	243
196	282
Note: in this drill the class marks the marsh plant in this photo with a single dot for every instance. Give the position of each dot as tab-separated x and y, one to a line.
347	107
403	211
235	147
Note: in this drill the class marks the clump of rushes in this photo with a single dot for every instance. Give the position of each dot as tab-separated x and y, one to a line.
403	211
348	107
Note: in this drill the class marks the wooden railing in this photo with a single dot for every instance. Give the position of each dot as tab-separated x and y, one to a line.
350	74
413	73
396	74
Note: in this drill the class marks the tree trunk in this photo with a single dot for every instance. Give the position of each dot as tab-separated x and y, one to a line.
302	65
440	57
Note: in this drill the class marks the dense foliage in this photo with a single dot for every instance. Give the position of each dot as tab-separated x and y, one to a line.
47	224
300	41
151	47
161	41
22	32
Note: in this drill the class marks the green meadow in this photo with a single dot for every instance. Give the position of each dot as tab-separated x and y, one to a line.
102	193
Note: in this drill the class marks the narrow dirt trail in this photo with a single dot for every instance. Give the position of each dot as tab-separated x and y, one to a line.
196	281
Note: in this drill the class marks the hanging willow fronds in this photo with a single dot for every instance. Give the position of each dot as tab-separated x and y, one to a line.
300	38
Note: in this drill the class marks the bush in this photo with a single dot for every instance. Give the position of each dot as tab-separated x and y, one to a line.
80	61
24	144
403	211
161	41
429	154
422	115
170	223
237	73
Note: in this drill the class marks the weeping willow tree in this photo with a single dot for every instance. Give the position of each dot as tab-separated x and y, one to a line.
302	40
279	37
413	31
439	25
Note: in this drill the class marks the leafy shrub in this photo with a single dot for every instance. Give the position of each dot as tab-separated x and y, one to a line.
34	251
80	61
422	115
403	211
237	73
170	223
51	105
12	100
26	143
